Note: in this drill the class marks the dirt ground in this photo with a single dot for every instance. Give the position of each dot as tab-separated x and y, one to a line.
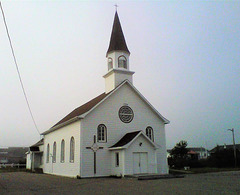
208	183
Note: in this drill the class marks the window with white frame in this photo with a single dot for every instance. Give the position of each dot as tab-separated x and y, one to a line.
48	148
72	148
149	133
54	152
122	62
62	151
117	159
110	63
102	133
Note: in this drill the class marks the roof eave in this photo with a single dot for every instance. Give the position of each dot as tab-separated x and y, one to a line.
165	121
62	125
117	148
141	133
119	71
133	140
118	50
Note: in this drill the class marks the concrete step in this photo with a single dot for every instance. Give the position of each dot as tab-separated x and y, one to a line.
152	177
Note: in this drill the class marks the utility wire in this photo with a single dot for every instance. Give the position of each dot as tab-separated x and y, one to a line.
16	64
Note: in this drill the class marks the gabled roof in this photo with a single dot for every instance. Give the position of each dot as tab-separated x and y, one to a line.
197	149
39	143
192	152
85	109
77	112
82	109
128	139
222	147
117	40
35	147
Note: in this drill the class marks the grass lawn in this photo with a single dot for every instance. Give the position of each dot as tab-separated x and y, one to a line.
212	169
201	170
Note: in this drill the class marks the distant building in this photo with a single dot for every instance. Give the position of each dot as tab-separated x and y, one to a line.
3	155
198	153
195	153
35	156
13	155
222	147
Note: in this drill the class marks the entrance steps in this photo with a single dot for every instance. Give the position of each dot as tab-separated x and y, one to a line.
154	176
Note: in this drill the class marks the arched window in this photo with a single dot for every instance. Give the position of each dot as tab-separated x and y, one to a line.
149	133
122	62
72	148
48	153
54	152
62	151
102	133
110	63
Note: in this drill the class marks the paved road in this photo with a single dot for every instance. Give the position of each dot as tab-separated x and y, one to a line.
29	183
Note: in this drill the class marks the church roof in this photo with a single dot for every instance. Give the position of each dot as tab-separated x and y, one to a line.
39	143
117	41
35	147
126	139
82	109
86	108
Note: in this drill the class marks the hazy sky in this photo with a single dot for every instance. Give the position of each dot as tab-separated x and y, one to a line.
185	56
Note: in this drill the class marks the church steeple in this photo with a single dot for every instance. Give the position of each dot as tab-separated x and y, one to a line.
117	58
117	41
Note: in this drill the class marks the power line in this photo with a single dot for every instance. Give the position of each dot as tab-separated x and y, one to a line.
16	64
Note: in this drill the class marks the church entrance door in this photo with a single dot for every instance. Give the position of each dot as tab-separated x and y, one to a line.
140	162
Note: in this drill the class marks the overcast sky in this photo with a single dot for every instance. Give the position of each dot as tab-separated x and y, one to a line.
185	56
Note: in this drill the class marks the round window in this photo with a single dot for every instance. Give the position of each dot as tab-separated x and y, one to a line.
126	114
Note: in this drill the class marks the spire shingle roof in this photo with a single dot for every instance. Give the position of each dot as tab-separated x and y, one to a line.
117	41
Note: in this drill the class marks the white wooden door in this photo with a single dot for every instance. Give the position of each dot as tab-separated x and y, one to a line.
136	167
143	162
140	162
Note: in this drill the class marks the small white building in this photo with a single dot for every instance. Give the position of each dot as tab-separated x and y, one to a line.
198	152
34	157
117	133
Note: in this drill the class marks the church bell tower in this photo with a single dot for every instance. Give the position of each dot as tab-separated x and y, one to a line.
117	58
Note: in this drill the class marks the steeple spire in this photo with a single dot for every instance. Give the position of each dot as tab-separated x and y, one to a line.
117	41
117	58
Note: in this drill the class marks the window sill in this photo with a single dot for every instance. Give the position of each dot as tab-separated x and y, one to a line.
102	141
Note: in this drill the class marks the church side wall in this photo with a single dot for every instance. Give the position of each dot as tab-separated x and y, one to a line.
162	154
107	114
66	168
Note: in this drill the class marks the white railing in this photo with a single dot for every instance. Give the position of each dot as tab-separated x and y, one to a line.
12	165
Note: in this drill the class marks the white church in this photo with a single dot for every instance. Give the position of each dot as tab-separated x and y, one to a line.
117	133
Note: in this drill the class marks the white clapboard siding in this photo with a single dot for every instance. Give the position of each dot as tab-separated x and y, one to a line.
66	168
107	114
